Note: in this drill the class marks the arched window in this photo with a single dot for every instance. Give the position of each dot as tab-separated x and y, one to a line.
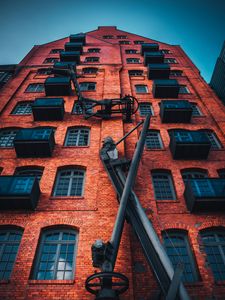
214	245
55	259
9	244
7	136
30	171
69	182
163	185
77	136
178	249
193	174
153	140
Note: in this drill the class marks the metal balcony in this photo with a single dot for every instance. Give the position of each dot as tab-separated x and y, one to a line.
189	144
48	109
175	111
18	192
158	71
153	58
58	86
34	142
74	47
205	194
78	38
70	56
153	47
165	88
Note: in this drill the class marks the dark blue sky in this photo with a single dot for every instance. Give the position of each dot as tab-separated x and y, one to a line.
197	25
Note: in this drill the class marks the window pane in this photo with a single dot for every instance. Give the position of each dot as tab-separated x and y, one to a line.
140	88
24	108
7	137
35	88
163	187
77	137
215	144
145	109
153	140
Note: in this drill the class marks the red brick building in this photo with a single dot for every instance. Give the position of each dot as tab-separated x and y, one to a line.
55	196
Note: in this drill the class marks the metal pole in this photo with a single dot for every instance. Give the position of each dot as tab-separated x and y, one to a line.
126	135
118	227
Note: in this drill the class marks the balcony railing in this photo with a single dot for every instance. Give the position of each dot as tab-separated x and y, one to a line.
78	38
74	47
149	48
18	192
205	194
165	88
48	109
153	58
34	142
70	56
175	111
58	86
158	71
189	144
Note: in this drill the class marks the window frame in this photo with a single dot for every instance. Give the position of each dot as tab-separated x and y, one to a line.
213	140
27	104
156	137
55	51
170	182
89	73
143	114
79	129
51	60
139	42
195	108
88	84
135	73
124	42
93	50
170	60
142	92
80	113
131	51
133	60
184	90
92	59
36	89
28	170
173	73
11	137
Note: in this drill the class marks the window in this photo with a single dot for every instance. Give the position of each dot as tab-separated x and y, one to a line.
80	110
92	59
145	109
7	137
9	244
135	73
178	249
51	60
56	255
35	88
44	71
141	88
133	60
138	42
221	173
22	108
170	60
176	73
124	42
163	186
69	182
90	70
87	86
215	143
195	110
214	245
153	140
93	50
165	51
131	51
77	137
56	50
193	174
121	37
184	89
107	37
30	172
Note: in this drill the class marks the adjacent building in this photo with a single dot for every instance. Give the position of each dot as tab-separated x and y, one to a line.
55	196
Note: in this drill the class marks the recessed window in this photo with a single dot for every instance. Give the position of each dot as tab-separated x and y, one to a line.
138	42
145	109
214	245
135	73
69	182
179	251
184	89
50	60
133	60
35	88
79	109
131	51
170	61
193	174
90	70
153	140
165	51
121	37
107	37
221	173
9	245
141	88
196	112
92	59
30	172
163	186
53	51
93	50
7	137
176	73
215	143
22	108
45	71
87	86
55	259
124	42
77	137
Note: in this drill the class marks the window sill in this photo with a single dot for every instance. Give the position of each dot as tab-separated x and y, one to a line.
4	281
139	77
57	282
66	198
